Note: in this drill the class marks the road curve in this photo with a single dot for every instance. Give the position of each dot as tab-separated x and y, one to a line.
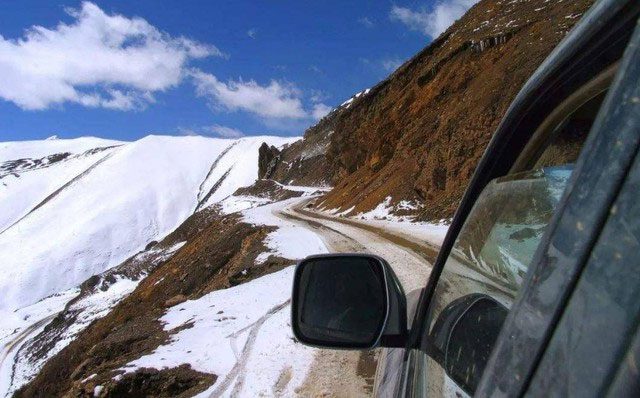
16	342
339	373
410	258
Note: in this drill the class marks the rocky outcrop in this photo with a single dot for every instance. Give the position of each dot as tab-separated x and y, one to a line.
268	157
305	162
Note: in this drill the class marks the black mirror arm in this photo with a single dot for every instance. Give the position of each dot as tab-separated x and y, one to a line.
395	333
393	340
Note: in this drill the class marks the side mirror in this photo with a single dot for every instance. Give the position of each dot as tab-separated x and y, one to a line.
463	336
350	301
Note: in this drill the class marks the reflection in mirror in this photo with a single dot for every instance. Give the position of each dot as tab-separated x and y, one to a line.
340	301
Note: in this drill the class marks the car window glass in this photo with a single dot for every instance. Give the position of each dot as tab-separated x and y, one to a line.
490	258
482	276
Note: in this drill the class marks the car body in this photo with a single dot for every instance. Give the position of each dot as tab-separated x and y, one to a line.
535	289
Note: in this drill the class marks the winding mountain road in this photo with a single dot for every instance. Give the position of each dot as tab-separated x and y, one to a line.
350	373
16	341
410	257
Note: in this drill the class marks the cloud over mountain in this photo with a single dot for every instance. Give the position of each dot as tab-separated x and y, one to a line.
97	60
435	21
276	100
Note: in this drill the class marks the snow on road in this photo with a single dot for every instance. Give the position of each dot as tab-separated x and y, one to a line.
382	216
243	333
290	240
334	372
344	234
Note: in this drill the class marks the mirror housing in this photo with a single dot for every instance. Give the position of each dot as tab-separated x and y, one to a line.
463	336
348	301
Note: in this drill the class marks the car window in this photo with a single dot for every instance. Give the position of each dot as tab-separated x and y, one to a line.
489	260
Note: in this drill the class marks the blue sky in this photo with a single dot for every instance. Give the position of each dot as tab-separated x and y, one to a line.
122	69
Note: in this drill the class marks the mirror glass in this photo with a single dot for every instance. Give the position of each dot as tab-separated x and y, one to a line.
340	301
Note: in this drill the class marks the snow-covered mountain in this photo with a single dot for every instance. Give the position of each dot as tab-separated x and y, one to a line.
88	209
70	209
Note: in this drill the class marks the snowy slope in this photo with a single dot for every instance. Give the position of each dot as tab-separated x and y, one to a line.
38	149
237	340
131	195
26	185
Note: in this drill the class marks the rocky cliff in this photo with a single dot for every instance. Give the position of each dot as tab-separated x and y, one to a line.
417	136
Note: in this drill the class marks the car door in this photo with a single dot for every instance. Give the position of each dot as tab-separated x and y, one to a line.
503	233
486	269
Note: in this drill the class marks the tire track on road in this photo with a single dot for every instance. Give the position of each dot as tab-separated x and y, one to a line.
338	372
238	370
17	341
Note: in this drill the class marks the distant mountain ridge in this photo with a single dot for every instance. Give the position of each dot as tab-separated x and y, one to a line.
74	208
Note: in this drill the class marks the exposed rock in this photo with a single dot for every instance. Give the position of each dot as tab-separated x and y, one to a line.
150	245
175	382
419	134
267	159
304	162
175	300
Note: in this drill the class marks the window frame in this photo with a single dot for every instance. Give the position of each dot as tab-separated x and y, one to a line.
602	170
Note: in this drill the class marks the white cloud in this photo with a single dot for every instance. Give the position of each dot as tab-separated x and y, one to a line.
275	100
391	64
366	22
435	21
320	110
224	131
98	60
252	33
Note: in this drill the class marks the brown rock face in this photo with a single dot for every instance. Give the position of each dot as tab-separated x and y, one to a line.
419	134
267	159
305	162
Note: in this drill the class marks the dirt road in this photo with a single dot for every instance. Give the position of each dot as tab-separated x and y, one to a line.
337	373
409	257
16	342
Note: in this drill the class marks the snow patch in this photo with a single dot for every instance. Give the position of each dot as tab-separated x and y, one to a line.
237	345
290	240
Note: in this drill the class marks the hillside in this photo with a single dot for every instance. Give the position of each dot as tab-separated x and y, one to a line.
417	136
73	210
